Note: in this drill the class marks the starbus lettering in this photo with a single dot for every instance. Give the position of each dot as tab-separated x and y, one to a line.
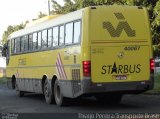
121	69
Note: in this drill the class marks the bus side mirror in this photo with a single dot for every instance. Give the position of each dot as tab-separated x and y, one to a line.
4	50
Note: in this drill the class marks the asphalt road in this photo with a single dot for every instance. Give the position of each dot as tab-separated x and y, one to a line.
34	103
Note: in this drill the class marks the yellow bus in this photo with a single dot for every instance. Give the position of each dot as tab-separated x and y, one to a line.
101	51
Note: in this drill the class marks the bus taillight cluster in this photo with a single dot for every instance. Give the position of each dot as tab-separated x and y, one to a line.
152	65
87	68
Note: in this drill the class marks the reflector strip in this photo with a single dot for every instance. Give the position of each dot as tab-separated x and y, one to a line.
60	68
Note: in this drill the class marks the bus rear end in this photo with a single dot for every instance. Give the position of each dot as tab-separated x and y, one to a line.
120	52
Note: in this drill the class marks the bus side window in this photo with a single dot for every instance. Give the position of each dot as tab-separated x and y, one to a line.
17	45
39	40
69	33
8	52
61	35
77	32
50	38
55	36
26	43
35	41
12	46
44	39
8	47
30	42
22	43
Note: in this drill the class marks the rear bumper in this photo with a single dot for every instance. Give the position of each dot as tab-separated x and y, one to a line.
125	87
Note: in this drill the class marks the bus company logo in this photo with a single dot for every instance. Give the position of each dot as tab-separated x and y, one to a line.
121	69
122	25
60	68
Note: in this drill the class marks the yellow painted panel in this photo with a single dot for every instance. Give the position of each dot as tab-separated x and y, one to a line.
113	64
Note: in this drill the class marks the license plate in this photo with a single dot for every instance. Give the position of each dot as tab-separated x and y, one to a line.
121	77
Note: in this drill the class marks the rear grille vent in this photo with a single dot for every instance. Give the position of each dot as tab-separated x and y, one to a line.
76	84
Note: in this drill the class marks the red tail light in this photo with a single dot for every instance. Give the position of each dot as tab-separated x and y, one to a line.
152	65
86	68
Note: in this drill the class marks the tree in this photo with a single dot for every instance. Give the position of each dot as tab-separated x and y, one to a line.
155	25
11	29
69	6
41	15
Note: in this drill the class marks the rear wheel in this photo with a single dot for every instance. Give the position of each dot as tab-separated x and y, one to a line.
48	93
59	99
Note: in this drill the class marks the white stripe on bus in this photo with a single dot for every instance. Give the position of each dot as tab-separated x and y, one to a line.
58	70
61	67
65	76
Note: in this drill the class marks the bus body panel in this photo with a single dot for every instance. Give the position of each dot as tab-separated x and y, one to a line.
32	67
115	64
119	23
120	44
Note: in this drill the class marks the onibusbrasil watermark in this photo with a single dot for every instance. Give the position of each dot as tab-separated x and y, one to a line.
118	116
9	116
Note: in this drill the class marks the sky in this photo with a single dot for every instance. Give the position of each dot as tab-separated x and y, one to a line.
14	12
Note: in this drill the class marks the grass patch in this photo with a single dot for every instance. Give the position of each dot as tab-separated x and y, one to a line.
156	88
3	80
157	83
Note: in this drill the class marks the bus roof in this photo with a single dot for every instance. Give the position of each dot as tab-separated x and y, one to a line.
59	20
46	18
48	23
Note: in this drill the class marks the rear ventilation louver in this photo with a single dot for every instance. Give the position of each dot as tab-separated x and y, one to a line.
76	83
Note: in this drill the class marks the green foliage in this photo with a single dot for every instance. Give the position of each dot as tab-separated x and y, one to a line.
156	50
156	89
10	30
41	15
155	25
69	6
157	83
3	80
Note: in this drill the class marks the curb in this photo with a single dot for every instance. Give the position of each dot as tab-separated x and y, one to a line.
151	93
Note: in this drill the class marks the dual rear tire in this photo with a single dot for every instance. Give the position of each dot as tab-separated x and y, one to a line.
53	94
48	93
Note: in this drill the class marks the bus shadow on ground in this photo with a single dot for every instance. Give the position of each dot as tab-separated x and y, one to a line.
89	102
92	102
